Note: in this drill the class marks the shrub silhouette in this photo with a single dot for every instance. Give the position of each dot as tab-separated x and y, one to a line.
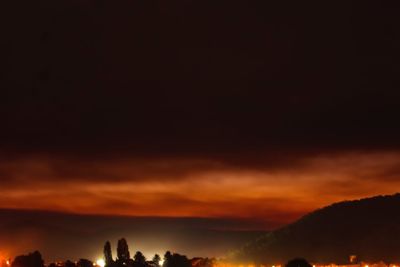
84	263
139	260
156	259
298	262
31	260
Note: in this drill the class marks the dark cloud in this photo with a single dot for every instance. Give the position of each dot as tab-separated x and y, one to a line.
244	83
59	168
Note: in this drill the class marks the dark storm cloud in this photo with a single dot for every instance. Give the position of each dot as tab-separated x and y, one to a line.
244	83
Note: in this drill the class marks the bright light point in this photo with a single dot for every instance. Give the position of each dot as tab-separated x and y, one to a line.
101	263
8	262
161	262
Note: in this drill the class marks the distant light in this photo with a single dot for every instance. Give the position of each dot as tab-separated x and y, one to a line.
101	263
8	263
273	265
161	262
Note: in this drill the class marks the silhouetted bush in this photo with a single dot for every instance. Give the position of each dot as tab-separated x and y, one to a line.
139	260
31	260
69	263
298	262
156	260
84	263
175	260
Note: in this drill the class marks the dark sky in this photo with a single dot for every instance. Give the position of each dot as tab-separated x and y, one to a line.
255	110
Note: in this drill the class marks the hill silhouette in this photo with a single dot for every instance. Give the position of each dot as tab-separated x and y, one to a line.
368	228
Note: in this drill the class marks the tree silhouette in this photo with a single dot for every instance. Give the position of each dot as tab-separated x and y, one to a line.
108	255
157	259
84	263
123	251
167	259
139	260
31	260
298	262
69	263
175	260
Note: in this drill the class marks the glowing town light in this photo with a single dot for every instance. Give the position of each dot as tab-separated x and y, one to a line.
101	263
161	262
8	262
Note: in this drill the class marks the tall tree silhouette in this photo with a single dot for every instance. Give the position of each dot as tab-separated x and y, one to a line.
108	254
123	251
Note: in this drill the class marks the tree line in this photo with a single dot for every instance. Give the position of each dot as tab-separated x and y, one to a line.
170	259
124	259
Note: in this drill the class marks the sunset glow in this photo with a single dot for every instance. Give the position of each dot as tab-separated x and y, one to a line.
286	193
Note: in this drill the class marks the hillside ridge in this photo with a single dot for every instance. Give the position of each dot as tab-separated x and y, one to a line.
368	228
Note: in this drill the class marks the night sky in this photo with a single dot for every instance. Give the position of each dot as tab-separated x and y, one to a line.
233	110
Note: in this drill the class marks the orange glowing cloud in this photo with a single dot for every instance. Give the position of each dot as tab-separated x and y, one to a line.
200	188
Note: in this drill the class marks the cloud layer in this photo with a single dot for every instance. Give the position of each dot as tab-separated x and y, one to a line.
196	108
272	197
